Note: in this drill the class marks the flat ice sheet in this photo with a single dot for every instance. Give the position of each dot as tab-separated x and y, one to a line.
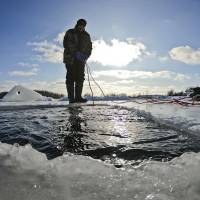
184	118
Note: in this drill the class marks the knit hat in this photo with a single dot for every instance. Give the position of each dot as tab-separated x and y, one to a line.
81	22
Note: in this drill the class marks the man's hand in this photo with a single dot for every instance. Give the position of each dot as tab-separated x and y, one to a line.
81	56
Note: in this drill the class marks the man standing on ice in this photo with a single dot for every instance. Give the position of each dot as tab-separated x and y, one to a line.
77	48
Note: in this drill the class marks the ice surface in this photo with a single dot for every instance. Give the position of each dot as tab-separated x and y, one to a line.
27	174
21	94
182	118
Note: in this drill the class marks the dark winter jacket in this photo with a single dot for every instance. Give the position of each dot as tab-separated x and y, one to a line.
75	41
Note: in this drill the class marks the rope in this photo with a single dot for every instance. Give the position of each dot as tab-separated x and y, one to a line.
154	101
90	84
95	81
89	74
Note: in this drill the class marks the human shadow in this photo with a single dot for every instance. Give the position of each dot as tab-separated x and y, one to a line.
74	140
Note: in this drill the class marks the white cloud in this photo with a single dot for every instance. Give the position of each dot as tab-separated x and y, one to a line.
118	53
124	82
185	54
129	89
7	85
57	86
126	74
59	38
35	69
181	77
163	58
23	73
22	64
48	51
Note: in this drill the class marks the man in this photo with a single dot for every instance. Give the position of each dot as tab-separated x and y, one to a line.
77	48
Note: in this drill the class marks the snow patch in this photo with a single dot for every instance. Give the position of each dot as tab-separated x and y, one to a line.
20	94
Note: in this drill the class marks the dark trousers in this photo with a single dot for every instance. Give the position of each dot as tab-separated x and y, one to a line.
75	77
75	73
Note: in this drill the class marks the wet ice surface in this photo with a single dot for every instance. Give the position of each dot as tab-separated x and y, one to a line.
113	134
101	152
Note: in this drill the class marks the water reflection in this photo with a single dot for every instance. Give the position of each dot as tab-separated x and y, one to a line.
120	132
73	141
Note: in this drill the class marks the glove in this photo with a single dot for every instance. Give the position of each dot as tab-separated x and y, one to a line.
81	56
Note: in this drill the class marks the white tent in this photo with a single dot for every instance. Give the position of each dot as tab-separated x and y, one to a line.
19	93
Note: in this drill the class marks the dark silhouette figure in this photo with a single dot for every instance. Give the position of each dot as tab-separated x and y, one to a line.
77	49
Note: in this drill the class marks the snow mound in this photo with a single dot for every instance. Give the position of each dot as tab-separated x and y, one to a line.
20	94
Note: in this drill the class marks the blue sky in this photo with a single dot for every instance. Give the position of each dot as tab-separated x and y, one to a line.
139	46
